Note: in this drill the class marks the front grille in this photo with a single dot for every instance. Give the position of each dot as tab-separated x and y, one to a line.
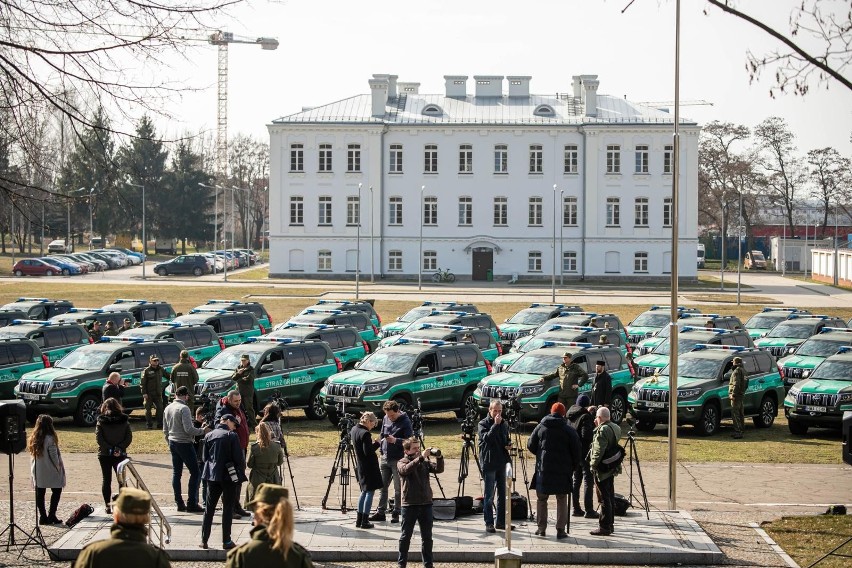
647	371
343	390
816	399
33	387
778	351
510	335
793	372
497	392
199	388
635	337
390	332
643	350
653	395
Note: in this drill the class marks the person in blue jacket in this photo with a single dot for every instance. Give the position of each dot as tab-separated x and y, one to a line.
224	470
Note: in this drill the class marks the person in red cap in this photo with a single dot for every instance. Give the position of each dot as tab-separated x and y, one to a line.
556	446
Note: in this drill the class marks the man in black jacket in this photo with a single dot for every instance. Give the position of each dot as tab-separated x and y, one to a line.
602	387
221	449
582	421
493	457
396	427
113	387
414	470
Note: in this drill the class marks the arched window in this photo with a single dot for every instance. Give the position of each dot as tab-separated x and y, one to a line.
432	110
544	110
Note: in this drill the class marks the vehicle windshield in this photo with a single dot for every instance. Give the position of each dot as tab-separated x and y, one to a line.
820	347
758	256
652	319
564	320
415	314
792	330
834	370
698	368
540	341
386	362
765	321
148	332
683	346
529	317
229	359
86	359
12	332
536	364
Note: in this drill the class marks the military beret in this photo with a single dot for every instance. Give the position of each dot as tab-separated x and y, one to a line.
131	501
268	493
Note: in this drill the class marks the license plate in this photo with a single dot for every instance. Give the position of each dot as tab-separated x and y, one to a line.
484	401
655	404
816	409
30	396
343	399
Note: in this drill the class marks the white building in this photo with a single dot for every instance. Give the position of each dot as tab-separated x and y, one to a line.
474	181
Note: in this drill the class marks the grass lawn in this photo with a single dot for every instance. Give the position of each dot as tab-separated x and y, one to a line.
807	539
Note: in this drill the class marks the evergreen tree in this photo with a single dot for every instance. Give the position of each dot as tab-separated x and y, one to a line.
184	202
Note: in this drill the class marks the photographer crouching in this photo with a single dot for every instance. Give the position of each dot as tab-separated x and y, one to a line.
414	469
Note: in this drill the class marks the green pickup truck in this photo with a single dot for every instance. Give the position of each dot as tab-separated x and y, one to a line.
792	332
807	356
17	358
56	340
760	323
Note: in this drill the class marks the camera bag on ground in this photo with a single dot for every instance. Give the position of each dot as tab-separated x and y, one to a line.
520	509
620	505
464	505
79	514
443	509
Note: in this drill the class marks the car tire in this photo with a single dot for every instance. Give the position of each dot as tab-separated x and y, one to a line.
87	410
766	413
797	428
332	416
646	425
197	271
618	407
32	416
708	424
66	272
466	401
162	272
19	273
403	403
48	273
316	406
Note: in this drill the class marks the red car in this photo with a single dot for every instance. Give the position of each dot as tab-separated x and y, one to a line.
34	267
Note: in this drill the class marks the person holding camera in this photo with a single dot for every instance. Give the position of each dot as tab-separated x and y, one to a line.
414	469
396	427
224	470
493	456
606	436
114	436
180	437
369	475
113	387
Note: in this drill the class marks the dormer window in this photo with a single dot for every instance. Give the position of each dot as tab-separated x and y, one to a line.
433	110
544	110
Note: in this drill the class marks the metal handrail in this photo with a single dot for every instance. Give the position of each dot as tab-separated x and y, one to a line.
163	528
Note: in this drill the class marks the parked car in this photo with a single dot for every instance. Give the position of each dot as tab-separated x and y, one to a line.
7	316
258	309
358	320
34	267
763	321
656	360
651	321
195	264
232	327
59	246
822	398
435	333
793	331
423	310
574	319
754	259
801	361
345	341
98	263
200	340
18	356
693	320
365	306
84	265
65	267
131	254
143	310
561	335
40	308
457	318
89	315
528	319
56	340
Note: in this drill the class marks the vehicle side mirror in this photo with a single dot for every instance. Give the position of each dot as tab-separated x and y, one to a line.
399	318
267	368
115	367
357	365
204	364
421	371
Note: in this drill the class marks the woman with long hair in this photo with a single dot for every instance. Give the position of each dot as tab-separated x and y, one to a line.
271	543
265	459
46	468
369	474
114	436
272	416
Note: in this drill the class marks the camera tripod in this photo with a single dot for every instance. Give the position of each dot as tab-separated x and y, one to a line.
289	469
417	426
33	538
468	447
634	456
517	456
344	462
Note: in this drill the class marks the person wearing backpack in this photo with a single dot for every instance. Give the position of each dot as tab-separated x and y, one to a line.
604	444
582	421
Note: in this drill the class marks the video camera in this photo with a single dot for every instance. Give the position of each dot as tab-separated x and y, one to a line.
415	414
471	419
512	411
345	421
208	403
279	401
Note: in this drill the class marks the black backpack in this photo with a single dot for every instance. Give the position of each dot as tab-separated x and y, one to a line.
79	514
612	458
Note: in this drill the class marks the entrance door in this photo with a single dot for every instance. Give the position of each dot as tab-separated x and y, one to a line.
483	261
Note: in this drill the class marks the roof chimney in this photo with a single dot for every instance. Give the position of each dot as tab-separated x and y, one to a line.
392	86
519	86
575	82
590	94
379	92
456	85
489	85
409	88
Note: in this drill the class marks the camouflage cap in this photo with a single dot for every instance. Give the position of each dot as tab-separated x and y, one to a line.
268	493
244	356
567	354
131	501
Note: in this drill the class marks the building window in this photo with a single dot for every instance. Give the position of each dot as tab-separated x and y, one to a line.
353	211
395	160
571	158
613	159
395	211
640	262
641	159
501	159
324	261
535	212
641	212
325	157
353	158
430	157
668	159
297	158
297	210
667	212
569	261
465	211
536	159
501	211
395	260
569	212
534	261
430	260
613	212
324	210
465	159
430	210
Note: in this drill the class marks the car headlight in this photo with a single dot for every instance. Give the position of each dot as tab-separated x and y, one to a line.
532	389
523	332
794	392
845	397
688	393
806	373
217	385
376	387
64	385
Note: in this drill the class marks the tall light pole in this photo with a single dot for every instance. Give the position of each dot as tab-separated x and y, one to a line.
245	227
420	258
553	271
358	248
144	241
561	238
836	252
784	248
91	212
372	251
225	260
739	250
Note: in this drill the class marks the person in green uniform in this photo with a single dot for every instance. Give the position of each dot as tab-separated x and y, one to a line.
265	460
128	543
110	329
571	376
271	541
736	391
244	376
152	390
185	375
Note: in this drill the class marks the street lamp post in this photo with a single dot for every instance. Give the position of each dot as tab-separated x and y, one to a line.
553	271
372	251
836	278
91	213
144	241
740	250
225	260
561	238
420	258
358	248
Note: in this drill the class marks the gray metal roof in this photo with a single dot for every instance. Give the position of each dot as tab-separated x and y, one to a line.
408	109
